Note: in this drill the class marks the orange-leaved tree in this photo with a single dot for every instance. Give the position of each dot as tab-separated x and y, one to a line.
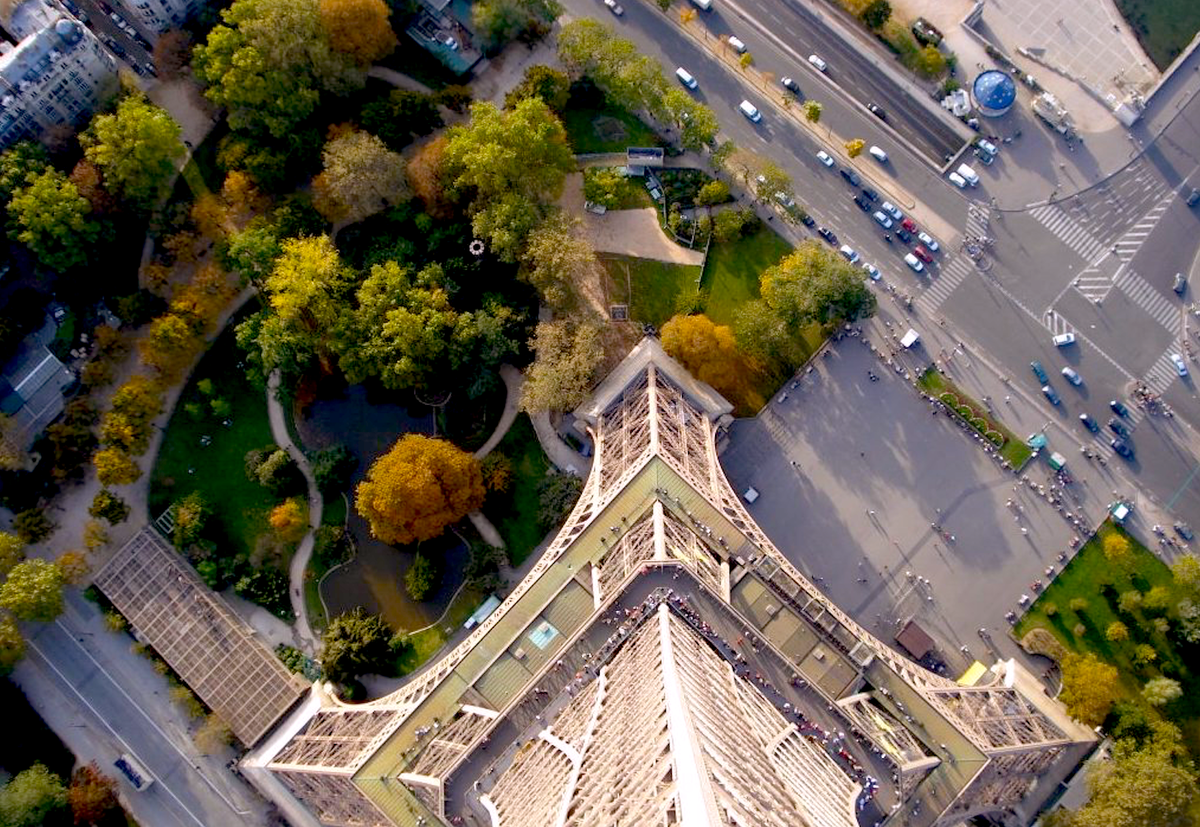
418	488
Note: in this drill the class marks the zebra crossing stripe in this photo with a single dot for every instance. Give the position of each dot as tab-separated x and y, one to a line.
940	289
1146	297
1067	230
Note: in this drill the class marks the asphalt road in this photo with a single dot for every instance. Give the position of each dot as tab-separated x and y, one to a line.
130	51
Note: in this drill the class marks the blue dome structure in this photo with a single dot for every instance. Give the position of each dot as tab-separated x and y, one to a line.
994	93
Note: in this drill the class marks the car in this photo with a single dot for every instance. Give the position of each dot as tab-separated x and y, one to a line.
750	111
987	147
1039	372
1089	423
1118	408
883	220
849	253
1118	427
1180	283
872	271
968	175
862	203
827	234
685	77
818	63
824	158
807	220
1051	394
1072	376
1193	198
929	241
786	201
614	7
909	225
877	111
851	176
1185	531
1122	447
790	85
1064	339
904	236
870	194
957	180
1180	365
878	154
914	262
737	44
892	210
923	254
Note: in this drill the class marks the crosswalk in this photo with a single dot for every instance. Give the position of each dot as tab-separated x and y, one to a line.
951	274
978	218
1056	324
1162	373
1146	297
1093	282
1067	230
1132	240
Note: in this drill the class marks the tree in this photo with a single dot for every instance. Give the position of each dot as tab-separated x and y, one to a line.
274	469
421	578
707	350
289	519
18	164
94	535
31	797
1144	654
1090	687
418	488
1130	601
511	162
92	795
213	735
1161	691
172	53
556	255
136	149
191	514
541	81
1157	599
499	21
12	551
1138	788
13	456
812	111
557	494
32	525
426	174
714	192
33	590
876	13
1186	573
53	220
1117	632
88	179
1116	549
359	28
567	354
74	567
115	467
854	147
252	252
354	644
1078	605
400	116
361	176
332	468
813	284
930	62
456	97
497	472
267	587
12	644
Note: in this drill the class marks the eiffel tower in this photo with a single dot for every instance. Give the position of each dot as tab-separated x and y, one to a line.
664	663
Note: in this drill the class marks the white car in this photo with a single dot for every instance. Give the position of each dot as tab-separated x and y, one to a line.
824	158
750	111
817	62
1064	339
737	44
1180	365
892	210
957	180
850	253
914	262
883	220
1072	376
614	7
872	271
929	241
878	154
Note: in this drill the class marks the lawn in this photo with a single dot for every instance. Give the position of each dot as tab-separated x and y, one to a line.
732	270
1163	27
622	129
239	507
515	513
1014	449
426	643
650	288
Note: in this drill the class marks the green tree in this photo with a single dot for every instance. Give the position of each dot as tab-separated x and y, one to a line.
12	551
1161	691
813	284
359	28
19	163
541	81
361	176
1078	605
770	180
1089	688
252	252
419	487
12	644
333	467
930	62
33	590
728	225
268	587
714	192
400	116
136	149
567	354
355	643
421	578
1157	599
191	514
812	111
1138	788
53	220
557	254
512	162
108	506
875	14
557	495
1186	573
499	21
1130	601
32	525
1117	632
31	797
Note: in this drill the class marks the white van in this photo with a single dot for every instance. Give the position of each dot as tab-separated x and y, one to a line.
914	262
737	44
968	174
703	5
750	111
878	154
685	77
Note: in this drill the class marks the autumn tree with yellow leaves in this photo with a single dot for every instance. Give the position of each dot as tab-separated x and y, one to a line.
359	28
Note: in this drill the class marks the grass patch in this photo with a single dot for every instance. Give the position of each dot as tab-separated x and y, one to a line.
605	128
426	643
650	288
732	270
239	507
1164	28
1014	450
518	507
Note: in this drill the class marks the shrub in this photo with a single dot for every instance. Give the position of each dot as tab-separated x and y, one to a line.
268	588
996	438
497	472
421	578
714	192
949	399
32	525
557	494
965	411
333	468
979	424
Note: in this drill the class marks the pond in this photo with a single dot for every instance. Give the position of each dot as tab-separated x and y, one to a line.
369	422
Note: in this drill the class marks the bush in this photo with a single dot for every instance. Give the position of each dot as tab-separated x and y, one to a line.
996	438
331	546
557	494
949	399
714	192
333	468
965	412
497	472
268	588
421	578
32	525
979	424
108	506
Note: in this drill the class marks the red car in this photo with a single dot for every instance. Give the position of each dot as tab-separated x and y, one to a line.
909	225
920	252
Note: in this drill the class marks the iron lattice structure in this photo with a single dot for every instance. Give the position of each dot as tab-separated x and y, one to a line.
656	495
